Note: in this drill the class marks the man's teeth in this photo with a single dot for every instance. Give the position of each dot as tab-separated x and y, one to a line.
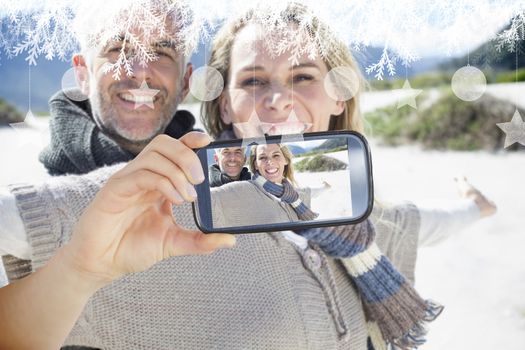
136	98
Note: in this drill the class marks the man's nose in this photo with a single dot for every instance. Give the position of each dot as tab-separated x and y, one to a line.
141	71
279	97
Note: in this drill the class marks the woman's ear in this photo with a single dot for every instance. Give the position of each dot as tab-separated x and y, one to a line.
81	73
339	107
225	109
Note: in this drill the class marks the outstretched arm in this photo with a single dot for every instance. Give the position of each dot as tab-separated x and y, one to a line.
127	228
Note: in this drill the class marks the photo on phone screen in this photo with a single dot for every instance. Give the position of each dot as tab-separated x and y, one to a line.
321	180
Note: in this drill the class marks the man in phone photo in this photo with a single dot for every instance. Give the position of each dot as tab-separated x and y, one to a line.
229	166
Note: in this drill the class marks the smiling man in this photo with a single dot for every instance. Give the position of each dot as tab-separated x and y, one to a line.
230	166
133	83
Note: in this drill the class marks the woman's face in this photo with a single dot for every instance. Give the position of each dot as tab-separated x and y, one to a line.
270	162
273	88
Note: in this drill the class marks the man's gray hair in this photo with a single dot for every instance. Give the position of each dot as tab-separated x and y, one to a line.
96	27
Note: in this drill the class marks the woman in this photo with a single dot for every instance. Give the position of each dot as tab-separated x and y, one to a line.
266	293
273	197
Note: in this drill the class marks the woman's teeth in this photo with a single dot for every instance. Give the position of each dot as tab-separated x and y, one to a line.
294	127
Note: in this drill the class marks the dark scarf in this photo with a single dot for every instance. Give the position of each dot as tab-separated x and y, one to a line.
218	178
286	193
78	146
394	310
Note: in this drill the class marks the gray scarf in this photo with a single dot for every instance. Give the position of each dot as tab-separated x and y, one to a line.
78	146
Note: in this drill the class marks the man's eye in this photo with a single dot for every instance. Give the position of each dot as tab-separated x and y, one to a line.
162	53
115	49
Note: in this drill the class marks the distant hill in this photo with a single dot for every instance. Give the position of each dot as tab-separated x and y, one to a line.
46	78
372	55
486	56
296	150
331	144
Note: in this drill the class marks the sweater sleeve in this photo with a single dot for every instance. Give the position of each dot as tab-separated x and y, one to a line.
50	210
442	219
13	238
397	231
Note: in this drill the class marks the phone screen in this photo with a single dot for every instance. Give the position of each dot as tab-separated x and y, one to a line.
320	180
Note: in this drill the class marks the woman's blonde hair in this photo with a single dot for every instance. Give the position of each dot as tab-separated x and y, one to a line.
288	169
333	51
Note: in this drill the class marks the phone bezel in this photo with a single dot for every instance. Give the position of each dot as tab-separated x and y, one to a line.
357	165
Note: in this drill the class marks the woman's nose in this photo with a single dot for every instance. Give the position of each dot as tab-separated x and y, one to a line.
279	97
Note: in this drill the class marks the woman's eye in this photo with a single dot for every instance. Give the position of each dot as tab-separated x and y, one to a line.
252	82
302	77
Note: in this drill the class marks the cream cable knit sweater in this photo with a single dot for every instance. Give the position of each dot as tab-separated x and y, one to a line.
264	294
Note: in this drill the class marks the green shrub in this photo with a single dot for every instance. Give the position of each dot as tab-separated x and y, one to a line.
9	114
510	77
319	163
449	123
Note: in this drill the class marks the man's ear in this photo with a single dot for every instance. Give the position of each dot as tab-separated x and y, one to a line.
216	158
81	73
186	80
224	105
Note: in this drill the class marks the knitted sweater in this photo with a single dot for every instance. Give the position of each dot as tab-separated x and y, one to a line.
263	294
246	203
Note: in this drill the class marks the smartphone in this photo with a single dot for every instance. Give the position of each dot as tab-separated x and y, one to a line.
284	183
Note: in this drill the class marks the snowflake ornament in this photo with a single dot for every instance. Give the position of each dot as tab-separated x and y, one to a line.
469	83
143	96
514	130
408	96
29	133
251	131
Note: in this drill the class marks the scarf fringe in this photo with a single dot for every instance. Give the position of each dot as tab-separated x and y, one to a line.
415	337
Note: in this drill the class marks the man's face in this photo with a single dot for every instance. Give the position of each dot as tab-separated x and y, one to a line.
128	110
231	161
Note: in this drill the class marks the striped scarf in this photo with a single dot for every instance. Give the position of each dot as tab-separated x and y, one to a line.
286	193
394	310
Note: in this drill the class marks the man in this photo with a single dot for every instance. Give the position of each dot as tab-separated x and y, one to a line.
229	166
121	116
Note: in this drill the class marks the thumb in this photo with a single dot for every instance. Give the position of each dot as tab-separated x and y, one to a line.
192	242
195	139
